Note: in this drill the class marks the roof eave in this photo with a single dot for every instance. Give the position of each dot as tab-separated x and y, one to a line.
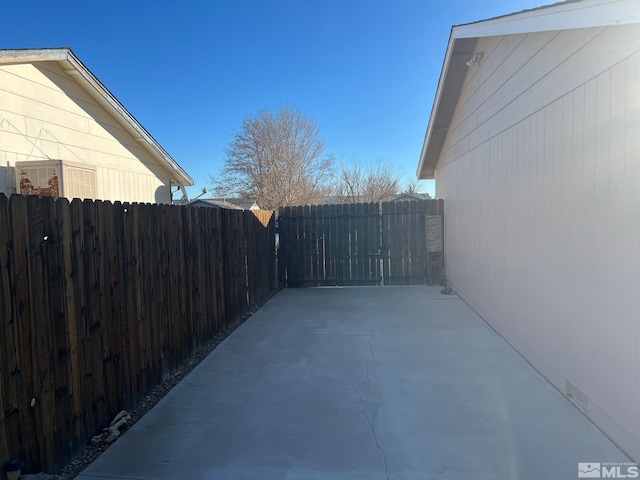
566	15
145	137
65	54
459	51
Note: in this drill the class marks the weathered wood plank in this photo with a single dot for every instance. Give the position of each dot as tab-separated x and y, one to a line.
108	303
41	248
421	242
176	293
395	251
59	351
121	341
8	400
357	243
95	315
98	301
132	281
82	384
342	244
375	242
314	269
21	277
332	252
364	242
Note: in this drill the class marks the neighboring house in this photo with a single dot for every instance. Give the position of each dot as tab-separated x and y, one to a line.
212	203
400	197
534	142
62	133
410	197
232	203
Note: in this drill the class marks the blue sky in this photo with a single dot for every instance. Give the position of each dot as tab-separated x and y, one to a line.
190	72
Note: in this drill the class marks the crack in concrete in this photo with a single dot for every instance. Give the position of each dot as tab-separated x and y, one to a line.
358	392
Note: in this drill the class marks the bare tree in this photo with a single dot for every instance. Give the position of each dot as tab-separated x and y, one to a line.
412	187
276	159
375	182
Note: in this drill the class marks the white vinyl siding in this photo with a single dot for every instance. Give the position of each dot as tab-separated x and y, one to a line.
540	173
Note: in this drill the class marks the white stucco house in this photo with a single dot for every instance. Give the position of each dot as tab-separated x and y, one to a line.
62	133
534	142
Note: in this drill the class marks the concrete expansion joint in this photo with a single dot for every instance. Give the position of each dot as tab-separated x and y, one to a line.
358	392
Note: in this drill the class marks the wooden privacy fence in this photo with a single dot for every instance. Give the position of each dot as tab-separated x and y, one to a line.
394	243
100	301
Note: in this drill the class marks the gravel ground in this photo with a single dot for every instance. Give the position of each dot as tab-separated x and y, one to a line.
91	452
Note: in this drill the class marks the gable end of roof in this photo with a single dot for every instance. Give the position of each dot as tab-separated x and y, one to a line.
570	14
81	74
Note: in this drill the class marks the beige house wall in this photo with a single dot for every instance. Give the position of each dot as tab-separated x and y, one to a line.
44	114
540	173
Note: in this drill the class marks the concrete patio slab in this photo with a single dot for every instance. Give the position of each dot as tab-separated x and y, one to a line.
360	383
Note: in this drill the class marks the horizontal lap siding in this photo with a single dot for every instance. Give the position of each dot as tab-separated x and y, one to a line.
45	114
541	176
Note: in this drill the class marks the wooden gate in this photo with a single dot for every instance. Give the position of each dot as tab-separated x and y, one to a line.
394	243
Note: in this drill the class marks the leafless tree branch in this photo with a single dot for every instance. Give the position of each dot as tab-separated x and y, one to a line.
276	159
376	182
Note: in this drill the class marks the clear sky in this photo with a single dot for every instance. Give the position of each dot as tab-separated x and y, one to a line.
191	71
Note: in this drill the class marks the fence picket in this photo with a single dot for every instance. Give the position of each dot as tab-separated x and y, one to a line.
100	301
359	244
8	400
